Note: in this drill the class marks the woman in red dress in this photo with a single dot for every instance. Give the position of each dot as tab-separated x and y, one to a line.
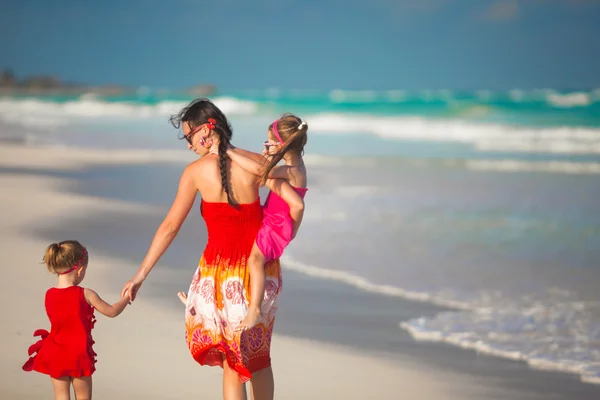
65	353
218	296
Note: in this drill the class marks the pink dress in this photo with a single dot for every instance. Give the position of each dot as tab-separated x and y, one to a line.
276	229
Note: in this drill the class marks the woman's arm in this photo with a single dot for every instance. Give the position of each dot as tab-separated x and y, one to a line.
168	229
103	307
166	232
292	198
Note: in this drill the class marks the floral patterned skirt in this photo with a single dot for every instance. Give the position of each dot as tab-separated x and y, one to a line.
217	302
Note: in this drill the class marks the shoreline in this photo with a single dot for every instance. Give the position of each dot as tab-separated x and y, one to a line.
300	325
122	344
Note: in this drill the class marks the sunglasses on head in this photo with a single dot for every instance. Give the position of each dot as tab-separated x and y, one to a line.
268	144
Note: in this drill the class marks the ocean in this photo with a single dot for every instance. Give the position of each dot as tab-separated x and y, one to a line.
487	203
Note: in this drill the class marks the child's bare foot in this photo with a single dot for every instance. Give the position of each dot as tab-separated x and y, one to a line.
183	297
253	318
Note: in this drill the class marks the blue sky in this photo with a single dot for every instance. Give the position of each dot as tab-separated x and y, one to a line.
307	44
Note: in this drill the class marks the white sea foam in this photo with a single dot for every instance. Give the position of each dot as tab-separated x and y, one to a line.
577	99
353	96
395	96
549	332
566	167
49	114
553	335
366	285
516	95
483	137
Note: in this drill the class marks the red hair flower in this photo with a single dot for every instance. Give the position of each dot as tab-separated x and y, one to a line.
211	123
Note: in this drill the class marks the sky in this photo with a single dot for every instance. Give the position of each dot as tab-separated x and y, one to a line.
307	44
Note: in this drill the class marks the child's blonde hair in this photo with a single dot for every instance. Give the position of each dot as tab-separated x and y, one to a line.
293	132
62	256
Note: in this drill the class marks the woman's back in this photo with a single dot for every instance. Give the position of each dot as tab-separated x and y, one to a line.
223	221
207	176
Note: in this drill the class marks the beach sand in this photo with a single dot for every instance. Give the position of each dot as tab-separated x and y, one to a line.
142	353
332	340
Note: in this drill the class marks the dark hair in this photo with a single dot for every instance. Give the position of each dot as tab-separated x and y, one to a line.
197	113
293	133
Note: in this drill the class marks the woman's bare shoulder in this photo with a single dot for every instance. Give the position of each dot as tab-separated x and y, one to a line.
203	163
202	169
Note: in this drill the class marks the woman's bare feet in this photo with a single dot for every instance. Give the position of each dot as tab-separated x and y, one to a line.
183	297
254	317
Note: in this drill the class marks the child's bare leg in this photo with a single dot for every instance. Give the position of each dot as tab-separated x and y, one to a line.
83	388
62	388
256	264
183	297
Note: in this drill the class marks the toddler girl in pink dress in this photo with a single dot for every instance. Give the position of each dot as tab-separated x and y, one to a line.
284	207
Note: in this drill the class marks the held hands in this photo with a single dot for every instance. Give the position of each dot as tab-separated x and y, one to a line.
131	288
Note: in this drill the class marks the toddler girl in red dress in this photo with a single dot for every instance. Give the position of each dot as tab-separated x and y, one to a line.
65	353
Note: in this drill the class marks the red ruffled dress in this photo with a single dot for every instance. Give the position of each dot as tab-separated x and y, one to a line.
67	349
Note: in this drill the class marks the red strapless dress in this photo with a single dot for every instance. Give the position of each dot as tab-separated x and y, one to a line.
220	291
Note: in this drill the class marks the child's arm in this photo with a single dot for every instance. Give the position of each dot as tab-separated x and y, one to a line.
292	198
252	165
103	307
255	163
246	153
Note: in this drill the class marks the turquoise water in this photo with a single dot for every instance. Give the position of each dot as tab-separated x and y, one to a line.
484	201
534	108
544	125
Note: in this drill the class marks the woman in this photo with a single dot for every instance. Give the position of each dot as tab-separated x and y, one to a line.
217	300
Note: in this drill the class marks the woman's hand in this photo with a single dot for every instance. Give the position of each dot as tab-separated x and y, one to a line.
131	287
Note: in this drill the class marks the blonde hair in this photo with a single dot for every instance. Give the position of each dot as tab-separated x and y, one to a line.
62	256
293	132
